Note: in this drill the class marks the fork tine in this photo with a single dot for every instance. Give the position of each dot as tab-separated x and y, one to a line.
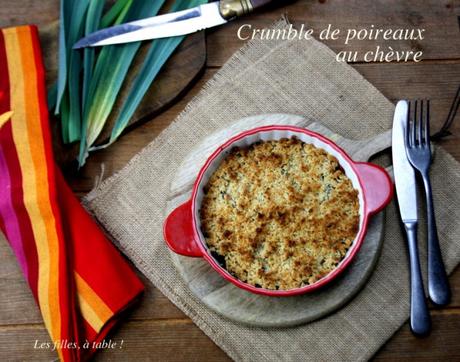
407	137
420	122
413	124
426	124
407	130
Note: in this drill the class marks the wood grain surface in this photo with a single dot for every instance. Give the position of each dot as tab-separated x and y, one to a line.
156	330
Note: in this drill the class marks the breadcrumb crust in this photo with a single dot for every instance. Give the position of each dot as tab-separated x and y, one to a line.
279	214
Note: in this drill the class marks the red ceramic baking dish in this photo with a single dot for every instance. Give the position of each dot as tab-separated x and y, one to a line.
182	230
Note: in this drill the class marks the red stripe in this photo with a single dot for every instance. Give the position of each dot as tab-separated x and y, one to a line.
17	194
96	338
114	282
67	297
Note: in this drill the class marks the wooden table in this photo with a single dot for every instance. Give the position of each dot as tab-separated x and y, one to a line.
157	330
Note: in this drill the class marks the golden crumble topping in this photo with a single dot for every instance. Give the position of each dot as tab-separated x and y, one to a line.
279	214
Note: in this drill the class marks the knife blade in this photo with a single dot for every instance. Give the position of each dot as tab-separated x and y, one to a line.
172	24
406	192
403	171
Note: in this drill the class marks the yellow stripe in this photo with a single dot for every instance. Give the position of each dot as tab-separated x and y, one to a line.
37	147
36	197
90	315
93	308
5	117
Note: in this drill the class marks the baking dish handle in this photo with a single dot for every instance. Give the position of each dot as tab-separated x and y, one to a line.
178	231
377	186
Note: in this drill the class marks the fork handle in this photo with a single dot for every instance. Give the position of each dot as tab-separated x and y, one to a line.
420	321
438	283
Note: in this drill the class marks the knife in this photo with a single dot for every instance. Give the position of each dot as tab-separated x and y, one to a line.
172	24
406	192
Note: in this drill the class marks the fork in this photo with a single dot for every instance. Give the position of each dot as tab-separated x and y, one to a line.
418	152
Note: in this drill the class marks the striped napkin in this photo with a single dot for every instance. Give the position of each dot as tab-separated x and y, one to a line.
79	280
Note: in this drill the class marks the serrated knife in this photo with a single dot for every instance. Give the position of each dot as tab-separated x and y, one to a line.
406	192
173	24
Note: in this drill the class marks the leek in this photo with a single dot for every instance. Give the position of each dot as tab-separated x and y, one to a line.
158	54
111	68
89	80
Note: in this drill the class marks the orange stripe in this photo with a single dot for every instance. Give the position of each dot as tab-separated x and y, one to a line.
37	149
29	142
93	308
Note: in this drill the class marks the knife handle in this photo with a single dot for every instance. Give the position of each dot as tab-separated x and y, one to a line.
420	321
230	9
259	3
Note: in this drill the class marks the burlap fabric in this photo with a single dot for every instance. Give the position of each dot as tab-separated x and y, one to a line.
298	77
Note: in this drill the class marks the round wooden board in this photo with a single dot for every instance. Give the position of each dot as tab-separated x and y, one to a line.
257	310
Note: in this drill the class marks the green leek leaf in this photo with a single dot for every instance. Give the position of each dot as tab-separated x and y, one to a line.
90	80
65	117
114	12
123	13
76	28
66	6
52	96
93	20
111	68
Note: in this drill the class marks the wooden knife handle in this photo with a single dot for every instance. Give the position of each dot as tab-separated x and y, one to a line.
259	3
230	9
